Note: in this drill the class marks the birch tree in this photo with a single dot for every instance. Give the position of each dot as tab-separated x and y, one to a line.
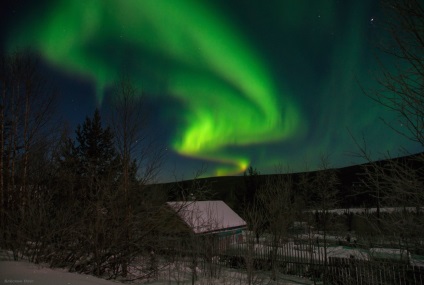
26	109
399	182
401	78
280	208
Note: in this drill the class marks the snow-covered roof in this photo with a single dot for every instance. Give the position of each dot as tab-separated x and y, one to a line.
207	216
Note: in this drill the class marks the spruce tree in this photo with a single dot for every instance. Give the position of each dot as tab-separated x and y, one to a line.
97	160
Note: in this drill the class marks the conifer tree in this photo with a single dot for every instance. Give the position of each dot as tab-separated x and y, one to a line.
94	151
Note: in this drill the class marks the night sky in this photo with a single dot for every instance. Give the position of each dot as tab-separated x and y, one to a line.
229	83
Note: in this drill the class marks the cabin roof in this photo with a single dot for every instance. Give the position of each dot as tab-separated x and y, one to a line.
207	216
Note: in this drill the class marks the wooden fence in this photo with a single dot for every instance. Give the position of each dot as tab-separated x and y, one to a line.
301	258
308	259
351	271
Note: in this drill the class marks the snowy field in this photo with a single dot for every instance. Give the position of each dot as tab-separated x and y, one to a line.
14	272
180	272
372	210
22	272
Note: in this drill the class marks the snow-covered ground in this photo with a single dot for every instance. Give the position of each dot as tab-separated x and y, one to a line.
371	210
14	272
180	272
302	252
21	272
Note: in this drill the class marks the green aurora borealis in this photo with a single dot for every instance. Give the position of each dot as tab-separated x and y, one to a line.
255	84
